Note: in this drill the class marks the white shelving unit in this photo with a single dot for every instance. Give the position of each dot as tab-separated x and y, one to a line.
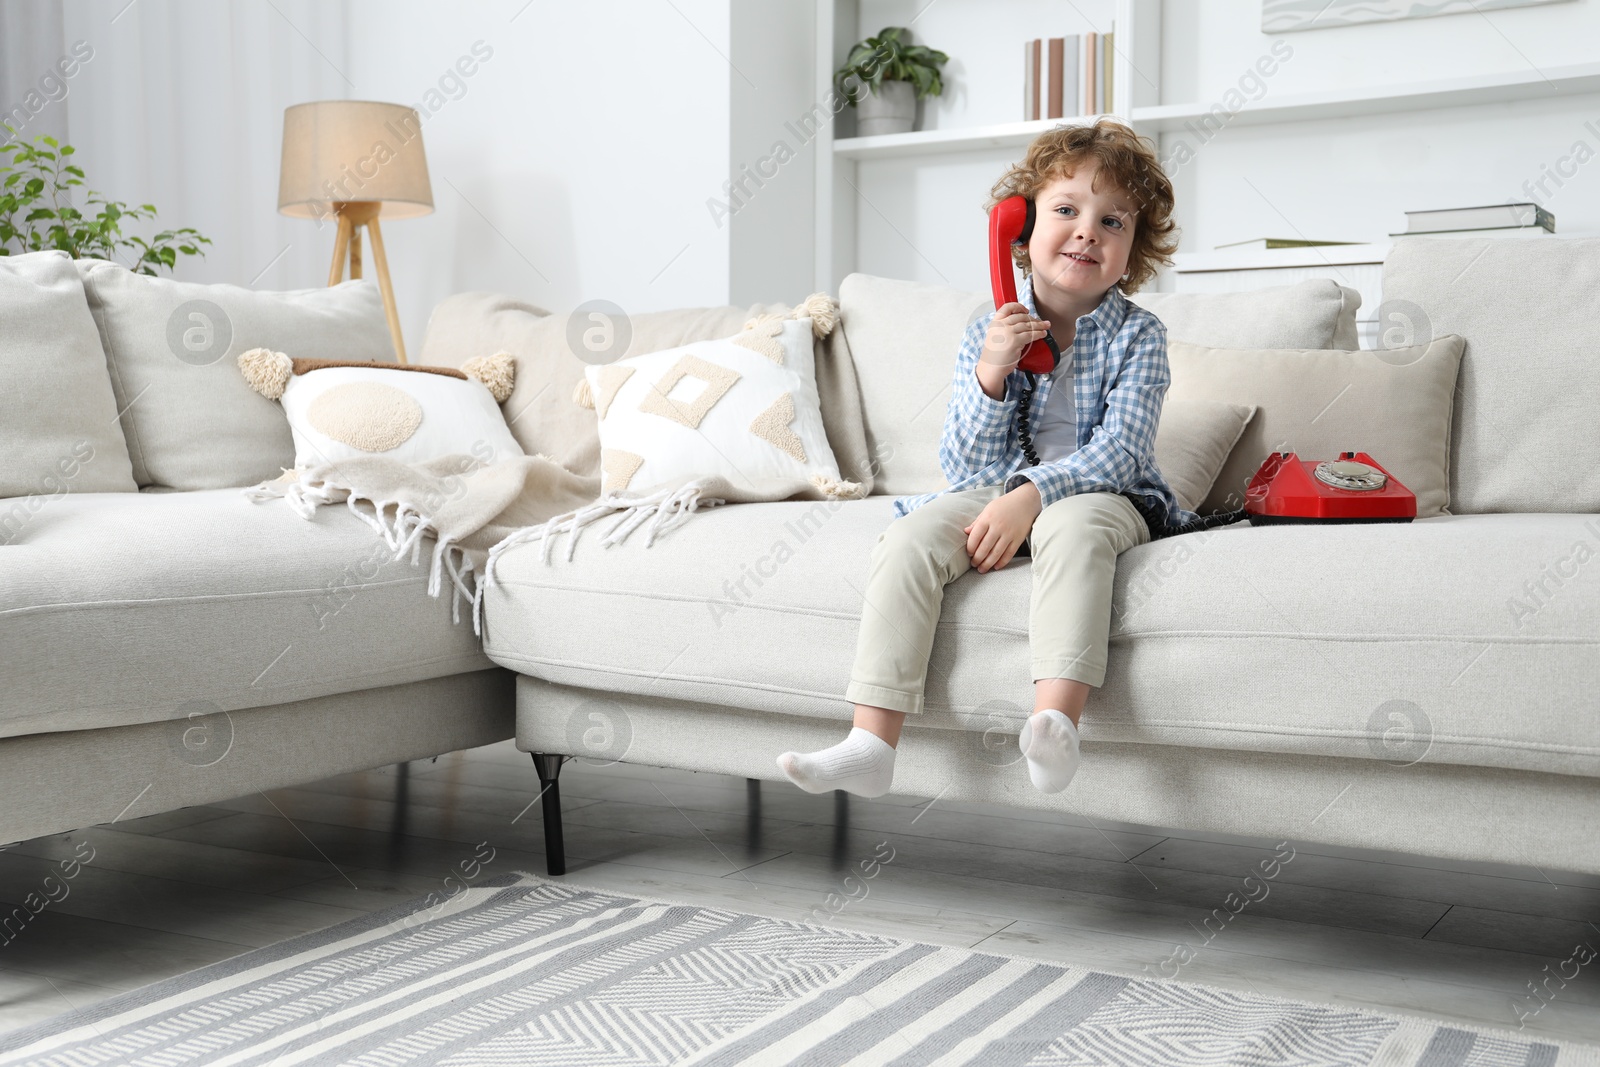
1159	118
1136	93
928	142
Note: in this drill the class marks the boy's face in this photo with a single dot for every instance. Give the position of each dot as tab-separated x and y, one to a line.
1081	238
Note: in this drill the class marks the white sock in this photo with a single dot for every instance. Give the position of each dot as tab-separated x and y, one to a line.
863	764
1050	742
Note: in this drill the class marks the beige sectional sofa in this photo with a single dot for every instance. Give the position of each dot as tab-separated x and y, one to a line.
163	647
1363	685
1367	685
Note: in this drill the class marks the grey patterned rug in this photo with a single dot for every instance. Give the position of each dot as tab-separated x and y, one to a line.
525	971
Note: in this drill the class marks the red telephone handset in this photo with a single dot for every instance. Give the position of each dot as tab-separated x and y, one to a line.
1011	222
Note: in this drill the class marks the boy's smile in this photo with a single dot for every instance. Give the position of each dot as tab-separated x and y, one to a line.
1079	247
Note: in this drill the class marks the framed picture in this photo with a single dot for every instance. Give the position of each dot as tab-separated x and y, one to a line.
1285	16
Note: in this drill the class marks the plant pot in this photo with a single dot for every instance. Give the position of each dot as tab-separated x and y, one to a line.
892	109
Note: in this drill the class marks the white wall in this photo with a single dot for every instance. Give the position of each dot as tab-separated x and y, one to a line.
575	163
773	122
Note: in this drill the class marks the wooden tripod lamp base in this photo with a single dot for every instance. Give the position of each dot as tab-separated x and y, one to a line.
354	216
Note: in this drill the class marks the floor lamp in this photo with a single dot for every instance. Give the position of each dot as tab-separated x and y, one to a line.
351	161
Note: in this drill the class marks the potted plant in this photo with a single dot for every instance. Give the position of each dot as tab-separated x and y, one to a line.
896	74
36	212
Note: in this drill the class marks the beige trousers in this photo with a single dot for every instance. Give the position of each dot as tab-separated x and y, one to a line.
1074	546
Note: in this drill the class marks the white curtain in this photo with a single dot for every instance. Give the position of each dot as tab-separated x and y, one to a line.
179	103
33	94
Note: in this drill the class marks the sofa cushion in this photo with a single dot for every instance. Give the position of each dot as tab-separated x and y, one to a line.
1523	436
1301	639
553	353
121	608
904	336
190	419
58	417
1394	405
1314	313
1193	441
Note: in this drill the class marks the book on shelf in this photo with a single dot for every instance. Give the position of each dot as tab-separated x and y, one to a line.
1097	51
1086	74
1091	83
1258	243
1071	91
1058	55
1063	77
1106	66
1486	231
1030	80
1486	217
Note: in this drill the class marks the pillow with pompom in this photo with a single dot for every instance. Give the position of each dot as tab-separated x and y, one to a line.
739	415
343	410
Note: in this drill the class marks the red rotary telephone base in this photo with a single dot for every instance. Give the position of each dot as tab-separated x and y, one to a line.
1352	488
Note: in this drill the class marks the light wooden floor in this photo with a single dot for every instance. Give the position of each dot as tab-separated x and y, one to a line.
1446	940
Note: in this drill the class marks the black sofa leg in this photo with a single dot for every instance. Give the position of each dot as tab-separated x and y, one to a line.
555	849
752	826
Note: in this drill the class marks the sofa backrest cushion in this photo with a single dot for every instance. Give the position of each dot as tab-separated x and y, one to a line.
904	336
553	353
1193	443
58	416
190	419
1314	313
1393	405
1523	436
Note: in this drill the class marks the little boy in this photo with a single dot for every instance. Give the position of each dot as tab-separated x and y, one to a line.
1089	491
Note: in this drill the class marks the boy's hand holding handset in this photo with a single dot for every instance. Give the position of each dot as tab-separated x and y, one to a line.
1005	522
1010	333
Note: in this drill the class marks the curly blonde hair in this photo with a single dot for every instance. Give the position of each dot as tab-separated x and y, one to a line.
1123	156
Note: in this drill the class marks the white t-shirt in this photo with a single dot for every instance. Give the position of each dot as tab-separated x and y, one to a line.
1055	435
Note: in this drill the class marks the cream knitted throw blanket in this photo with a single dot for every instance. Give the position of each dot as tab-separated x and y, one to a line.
463	504
475	511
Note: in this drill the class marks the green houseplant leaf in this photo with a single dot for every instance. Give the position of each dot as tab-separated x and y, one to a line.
37	213
890	57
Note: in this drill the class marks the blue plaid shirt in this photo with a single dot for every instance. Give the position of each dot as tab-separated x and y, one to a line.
1119	369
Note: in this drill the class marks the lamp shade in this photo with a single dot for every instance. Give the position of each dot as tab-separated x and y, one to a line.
344	150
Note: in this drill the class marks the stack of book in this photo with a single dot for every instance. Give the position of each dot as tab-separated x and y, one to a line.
1492	220
1261	243
1065	76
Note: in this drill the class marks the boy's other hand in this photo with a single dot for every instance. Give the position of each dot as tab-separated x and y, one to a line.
1010	333
1001	527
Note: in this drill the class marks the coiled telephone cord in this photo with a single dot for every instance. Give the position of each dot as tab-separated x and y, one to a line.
1157	523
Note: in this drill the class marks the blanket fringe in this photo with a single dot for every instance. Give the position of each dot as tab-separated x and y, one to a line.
404	532
305	499
403	529
658	512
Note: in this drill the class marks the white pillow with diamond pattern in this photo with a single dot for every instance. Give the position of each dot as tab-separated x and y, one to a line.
740	414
